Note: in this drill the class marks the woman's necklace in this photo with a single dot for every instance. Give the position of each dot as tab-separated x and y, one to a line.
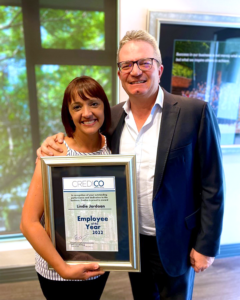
99	147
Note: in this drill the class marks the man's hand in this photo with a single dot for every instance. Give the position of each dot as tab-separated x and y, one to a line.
200	262
50	142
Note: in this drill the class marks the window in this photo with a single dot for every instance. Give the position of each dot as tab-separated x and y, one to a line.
44	45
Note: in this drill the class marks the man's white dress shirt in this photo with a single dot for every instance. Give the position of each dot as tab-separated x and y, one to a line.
144	144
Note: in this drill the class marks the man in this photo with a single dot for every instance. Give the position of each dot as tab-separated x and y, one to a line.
179	173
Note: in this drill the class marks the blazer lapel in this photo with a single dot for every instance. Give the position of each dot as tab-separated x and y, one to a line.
170	114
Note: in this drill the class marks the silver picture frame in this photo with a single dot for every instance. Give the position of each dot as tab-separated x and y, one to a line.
123	169
156	18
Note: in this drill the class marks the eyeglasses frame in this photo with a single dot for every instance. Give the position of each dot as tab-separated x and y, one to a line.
136	62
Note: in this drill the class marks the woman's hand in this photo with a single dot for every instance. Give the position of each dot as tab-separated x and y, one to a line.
81	271
50	142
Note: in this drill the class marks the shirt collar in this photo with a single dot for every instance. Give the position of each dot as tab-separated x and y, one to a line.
159	102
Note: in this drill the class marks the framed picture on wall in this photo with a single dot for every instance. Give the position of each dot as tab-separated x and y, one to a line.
201	58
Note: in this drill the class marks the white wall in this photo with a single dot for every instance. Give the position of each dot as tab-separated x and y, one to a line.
133	15
133	12
231	220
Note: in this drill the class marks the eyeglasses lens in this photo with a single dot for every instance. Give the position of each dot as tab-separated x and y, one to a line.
126	66
143	64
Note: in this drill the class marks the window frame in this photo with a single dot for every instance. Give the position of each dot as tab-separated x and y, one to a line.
36	55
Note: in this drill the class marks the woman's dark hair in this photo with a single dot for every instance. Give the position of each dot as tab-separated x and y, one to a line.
85	87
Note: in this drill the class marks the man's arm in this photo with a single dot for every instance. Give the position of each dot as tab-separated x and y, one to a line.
51	142
211	177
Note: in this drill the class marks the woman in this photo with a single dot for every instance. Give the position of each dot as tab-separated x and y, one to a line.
85	113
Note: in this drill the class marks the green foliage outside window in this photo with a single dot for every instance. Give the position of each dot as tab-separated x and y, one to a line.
70	29
15	148
60	29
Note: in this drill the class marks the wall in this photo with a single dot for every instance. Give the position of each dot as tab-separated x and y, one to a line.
133	15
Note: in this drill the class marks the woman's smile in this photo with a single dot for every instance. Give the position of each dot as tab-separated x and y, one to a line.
89	122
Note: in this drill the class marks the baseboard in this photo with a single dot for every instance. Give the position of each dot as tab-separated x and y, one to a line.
18	274
8	275
229	250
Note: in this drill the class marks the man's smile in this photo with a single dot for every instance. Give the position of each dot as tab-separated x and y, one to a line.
137	82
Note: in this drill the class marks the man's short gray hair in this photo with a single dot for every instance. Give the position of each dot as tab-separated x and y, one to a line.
140	35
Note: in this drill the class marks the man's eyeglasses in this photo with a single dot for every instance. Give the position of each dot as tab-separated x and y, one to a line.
143	64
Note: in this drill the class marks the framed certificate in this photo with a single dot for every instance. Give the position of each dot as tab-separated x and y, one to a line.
91	212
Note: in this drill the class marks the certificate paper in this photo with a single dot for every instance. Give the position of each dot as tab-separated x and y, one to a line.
90	213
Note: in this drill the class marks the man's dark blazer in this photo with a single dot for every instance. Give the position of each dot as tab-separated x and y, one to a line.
188	183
